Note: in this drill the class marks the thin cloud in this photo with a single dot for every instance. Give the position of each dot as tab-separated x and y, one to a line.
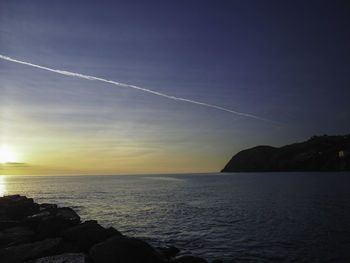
119	84
14	165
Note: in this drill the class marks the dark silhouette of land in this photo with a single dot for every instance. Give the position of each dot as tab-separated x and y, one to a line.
319	153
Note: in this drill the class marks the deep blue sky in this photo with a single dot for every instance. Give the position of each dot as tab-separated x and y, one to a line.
286	61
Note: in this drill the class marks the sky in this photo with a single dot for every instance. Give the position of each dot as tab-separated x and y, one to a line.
286	62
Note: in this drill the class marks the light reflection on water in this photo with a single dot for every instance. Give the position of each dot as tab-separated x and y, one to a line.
3	189
282	217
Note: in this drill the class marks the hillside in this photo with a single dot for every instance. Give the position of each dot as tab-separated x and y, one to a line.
319	153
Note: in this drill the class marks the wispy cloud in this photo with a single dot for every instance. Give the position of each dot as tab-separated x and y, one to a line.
13	165
119	84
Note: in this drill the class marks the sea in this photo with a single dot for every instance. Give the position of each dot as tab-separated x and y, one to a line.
235	217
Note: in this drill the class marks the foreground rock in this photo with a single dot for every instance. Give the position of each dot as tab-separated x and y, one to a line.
52	222
16	235
319	153
168	253
122	249
21	253
87	234
16	207
63	258
190	259
34	233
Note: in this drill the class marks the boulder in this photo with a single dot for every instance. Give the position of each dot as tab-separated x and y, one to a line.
126	250
52	224
190	259
67	214
168	252
88	234
39	216
46	206
63	258
17	207
35	220
8	223
24	252
15	235
113	232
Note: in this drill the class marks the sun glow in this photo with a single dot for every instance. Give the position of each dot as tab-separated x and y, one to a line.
7	155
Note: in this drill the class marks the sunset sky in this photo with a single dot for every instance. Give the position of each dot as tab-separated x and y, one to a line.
284	61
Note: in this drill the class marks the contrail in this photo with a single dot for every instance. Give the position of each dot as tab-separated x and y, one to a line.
119	84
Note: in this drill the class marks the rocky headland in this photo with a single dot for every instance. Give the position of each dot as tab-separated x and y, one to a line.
45	233
319	153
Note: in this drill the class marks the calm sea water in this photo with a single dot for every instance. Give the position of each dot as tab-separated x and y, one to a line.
249	217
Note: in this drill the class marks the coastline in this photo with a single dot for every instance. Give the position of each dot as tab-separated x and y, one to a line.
43	233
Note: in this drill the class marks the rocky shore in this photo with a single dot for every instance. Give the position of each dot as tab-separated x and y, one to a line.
46	233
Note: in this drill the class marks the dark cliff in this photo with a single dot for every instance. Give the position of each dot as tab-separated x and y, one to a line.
319	153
